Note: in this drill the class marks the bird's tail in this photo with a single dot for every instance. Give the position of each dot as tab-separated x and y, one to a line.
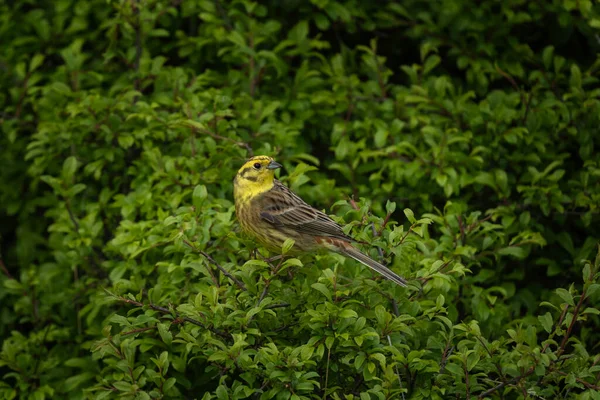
351	251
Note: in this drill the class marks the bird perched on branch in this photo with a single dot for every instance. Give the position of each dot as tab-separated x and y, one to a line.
270	212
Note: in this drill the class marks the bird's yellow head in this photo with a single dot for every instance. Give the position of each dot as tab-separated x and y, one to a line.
256	176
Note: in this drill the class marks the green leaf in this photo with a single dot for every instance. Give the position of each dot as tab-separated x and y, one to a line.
164	333
35	62
13	284
390	207
348	314
565	296
222	393
199	196
546	322
323	289
575	80
287	245
69	168
329	342
514	251
410	215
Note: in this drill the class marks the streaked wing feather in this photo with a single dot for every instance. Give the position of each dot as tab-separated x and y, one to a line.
283	208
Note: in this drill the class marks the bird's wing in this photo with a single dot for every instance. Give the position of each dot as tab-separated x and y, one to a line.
283	208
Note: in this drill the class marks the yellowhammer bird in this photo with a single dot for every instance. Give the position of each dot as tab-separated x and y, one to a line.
272	213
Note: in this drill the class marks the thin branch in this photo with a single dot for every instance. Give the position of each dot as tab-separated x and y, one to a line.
396	369
148	328
280	305
71	215
216	264
219	137
501	385
171	312
264	292
5	270
447	353
584	383
283	328
570	328
498	368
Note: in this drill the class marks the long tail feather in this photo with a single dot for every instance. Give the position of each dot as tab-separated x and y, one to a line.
350	251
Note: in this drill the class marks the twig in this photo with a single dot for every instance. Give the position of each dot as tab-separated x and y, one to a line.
498	368
264	293
71	215
501	385
283	328
5	270
447	353
219	137
171	312
280	305
570	328
148	328
396	369
216	264
584	383
266	288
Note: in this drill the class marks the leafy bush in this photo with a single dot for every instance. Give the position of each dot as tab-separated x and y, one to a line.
458	137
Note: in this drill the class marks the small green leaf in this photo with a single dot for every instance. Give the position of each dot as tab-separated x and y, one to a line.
410	215
222	393
546	321
381	314
390	207
322	288
439	301
69	168
329	342
348	314
565	296
164	333
514	251
199	195
287	245
35	62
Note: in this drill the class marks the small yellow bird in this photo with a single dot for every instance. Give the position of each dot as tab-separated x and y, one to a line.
272	213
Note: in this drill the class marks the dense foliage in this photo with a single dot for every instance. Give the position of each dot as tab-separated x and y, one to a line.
459	137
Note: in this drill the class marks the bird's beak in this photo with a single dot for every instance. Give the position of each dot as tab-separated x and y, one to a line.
274	165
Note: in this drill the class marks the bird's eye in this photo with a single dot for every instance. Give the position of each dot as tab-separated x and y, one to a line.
257	166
